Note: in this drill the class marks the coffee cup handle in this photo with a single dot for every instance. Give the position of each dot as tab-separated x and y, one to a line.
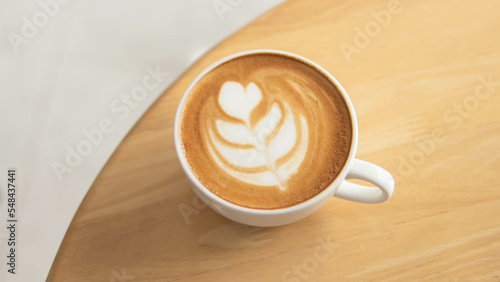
365	194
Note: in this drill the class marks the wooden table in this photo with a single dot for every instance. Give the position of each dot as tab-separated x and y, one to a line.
424	78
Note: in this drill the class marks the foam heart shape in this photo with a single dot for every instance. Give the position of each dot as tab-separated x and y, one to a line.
237	101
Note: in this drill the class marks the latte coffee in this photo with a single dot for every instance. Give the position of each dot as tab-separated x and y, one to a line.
265	131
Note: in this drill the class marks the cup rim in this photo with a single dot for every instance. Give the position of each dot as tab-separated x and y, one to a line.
327	192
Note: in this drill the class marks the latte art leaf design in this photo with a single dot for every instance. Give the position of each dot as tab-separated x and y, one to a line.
264	153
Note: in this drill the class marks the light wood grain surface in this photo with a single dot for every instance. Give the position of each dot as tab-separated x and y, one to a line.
426	88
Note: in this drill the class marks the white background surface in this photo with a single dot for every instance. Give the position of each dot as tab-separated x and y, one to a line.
68	75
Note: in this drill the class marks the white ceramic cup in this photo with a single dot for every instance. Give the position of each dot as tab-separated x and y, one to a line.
353	169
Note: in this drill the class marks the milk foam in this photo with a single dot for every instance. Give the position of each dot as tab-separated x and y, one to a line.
265	131
255	154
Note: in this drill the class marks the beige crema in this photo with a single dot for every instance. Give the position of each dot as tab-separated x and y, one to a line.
265	131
